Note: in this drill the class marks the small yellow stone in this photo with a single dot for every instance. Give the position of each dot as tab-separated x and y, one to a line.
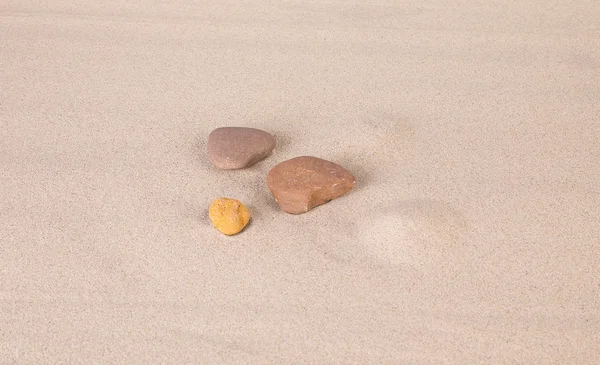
229	216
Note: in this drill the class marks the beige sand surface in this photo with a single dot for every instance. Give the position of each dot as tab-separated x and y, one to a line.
472	237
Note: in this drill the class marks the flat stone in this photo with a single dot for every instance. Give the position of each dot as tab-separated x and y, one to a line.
302	183
231	148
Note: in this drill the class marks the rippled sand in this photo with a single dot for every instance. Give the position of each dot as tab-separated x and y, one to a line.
472	236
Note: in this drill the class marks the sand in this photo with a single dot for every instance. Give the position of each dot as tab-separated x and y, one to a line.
472	236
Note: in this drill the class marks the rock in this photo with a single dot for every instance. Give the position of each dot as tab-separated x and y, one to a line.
302	183
229	216
231	148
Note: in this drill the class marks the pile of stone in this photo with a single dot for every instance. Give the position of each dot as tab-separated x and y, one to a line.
298	184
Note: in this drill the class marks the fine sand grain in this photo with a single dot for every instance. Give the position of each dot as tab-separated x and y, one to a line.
472	128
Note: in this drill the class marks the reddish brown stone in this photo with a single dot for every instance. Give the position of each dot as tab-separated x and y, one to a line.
231	148
302	183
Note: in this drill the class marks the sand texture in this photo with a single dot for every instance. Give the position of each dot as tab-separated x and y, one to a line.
472	235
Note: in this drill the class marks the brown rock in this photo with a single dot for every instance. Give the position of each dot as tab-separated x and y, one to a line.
231	148
302	183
